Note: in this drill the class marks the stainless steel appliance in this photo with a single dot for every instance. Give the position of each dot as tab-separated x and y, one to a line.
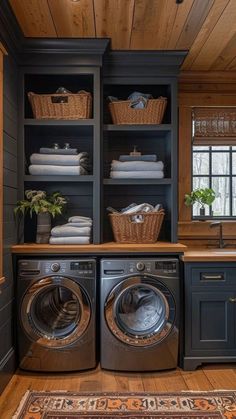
139	314
56	314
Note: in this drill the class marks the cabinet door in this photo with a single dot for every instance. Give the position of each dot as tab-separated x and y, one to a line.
211	324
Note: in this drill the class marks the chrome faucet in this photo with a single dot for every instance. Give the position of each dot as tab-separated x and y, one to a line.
221	240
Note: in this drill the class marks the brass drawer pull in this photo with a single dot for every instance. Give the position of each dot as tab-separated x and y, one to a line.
209	277
232	300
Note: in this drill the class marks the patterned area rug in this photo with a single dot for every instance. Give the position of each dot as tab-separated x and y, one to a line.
184	405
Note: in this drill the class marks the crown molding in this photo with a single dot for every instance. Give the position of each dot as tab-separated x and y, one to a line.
66	51
155	63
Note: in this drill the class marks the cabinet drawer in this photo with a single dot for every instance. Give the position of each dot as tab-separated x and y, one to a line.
220	276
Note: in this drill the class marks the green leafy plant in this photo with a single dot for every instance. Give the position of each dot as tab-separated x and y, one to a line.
204	196
41	202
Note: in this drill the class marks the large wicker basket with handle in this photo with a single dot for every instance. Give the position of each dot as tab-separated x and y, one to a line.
127	230
61	105
122	112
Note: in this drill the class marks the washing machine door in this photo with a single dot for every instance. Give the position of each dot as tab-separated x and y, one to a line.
55	311
140	311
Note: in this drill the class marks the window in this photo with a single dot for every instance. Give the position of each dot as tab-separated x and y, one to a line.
214	158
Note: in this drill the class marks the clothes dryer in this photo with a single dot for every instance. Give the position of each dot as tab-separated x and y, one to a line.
139	314
56	327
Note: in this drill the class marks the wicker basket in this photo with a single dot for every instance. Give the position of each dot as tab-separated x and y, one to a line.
126	230
122	113
61	106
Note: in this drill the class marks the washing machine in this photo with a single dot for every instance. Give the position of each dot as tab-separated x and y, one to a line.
139	314
56	314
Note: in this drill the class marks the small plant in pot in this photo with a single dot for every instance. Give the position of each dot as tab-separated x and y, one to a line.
44	206
203	196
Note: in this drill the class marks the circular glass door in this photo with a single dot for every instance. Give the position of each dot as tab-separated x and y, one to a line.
139	311
55	311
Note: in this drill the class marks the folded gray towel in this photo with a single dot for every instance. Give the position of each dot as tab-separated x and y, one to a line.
58	160
153	174
79	219
143	157
65	151
69	240
81	224
43	169
134	166
69	231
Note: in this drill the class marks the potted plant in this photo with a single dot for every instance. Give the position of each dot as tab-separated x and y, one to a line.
203	196
44	206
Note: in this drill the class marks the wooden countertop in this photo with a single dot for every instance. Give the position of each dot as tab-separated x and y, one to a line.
209	255
187	254
111	247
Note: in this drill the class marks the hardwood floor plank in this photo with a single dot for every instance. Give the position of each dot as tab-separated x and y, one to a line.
136	383
108	381
221	377
166	380
210	377
196	380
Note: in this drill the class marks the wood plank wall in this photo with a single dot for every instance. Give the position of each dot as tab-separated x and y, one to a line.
7	353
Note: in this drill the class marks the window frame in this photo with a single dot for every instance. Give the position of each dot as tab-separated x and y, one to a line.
194	93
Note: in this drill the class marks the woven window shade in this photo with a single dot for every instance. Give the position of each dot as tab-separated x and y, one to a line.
214	126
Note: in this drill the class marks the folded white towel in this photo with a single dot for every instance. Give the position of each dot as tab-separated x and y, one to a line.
69	240
136	165
155	174
58	160
40	170
69	231
79	218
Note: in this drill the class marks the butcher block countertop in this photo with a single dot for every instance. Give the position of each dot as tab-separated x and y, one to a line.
209	255
111	247
196	254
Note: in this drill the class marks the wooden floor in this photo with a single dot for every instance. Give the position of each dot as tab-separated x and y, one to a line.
209	377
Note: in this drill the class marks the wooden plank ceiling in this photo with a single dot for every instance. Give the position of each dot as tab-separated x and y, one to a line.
207	28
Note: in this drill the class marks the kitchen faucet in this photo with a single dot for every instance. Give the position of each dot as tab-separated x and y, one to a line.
221	240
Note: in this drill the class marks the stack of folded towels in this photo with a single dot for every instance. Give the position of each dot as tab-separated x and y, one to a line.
76	231
59	161
143	166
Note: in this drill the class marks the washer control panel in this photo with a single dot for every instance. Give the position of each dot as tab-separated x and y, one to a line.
70	267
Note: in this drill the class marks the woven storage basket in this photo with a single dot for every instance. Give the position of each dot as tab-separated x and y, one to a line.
125	230
61	106
122	113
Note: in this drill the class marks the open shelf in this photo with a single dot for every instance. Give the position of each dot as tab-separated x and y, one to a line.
141	181
58	178
137	127
59	122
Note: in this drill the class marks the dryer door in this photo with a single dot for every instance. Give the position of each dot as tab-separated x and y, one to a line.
55	311
140	311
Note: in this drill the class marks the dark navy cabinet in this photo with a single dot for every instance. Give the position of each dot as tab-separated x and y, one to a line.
209	313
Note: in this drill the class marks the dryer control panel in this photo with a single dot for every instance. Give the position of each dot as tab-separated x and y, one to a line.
158	266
